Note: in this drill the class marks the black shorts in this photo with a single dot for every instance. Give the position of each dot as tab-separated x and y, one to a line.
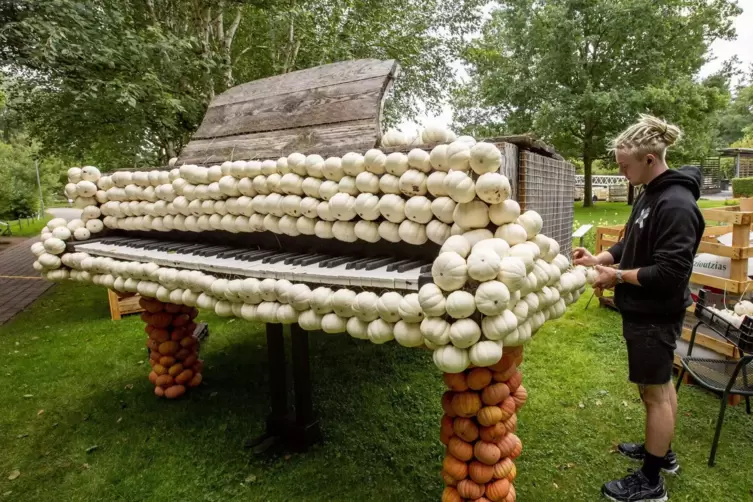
651	351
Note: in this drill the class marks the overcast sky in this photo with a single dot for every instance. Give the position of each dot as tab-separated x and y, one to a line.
721	51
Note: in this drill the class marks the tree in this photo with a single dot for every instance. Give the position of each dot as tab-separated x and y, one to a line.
738	117
576	72
123	83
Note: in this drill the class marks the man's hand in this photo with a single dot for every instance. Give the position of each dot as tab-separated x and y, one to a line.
607	277
582	256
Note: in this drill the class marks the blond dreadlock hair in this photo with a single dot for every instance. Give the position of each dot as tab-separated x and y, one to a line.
649	135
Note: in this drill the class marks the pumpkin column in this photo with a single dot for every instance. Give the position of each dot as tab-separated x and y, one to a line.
173	347
478	428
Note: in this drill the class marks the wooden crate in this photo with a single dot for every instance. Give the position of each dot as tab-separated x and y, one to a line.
731	219
123	304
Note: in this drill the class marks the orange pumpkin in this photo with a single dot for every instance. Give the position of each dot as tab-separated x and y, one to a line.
517	447
146	317
444	437
153	377
466	404
182	354
457	469
503	468
507	407
478	378
470	490
448	480
184	377
445	425
148	329
498	490
152	344
455	381
520	396
178	334
159	369
447	404
198	367
489	415
493	433
196	380
487	453
159	391
160	320
190	360
466	429
164	381
160	334
504	376
151	305
175	370
173	308
480	472
514	381
155	356
495	393
511	497
181	320
460	449
188	341
192	312
508	444
450	494
152	363
511	424
175	391
482	499
168	348
512	474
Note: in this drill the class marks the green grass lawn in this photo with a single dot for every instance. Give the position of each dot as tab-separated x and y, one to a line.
28	228
71	379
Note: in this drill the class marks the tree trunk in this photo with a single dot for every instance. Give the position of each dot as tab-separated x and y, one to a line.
631	194
587	192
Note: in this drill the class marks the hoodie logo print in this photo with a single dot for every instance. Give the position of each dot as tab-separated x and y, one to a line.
642	217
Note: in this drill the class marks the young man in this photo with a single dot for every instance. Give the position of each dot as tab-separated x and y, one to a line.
655	260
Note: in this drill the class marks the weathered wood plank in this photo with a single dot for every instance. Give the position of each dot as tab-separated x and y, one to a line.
320	76
730	214
356	136
358	100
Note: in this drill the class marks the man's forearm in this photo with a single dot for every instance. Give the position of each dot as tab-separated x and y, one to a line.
605	258
631	276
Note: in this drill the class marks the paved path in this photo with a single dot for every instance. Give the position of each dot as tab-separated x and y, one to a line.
69	213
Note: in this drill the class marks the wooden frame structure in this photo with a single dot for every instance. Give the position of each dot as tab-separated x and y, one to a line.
123	304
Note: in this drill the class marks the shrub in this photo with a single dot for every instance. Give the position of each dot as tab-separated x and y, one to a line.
742	187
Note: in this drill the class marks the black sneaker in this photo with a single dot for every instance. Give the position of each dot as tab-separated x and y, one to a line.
635	488
637	451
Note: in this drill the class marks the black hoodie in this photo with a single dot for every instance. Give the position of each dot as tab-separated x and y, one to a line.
661	238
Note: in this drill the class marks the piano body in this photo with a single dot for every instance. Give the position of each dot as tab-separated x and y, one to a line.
289	207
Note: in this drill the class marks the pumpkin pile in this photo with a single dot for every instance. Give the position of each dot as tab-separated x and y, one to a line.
173	347
478	429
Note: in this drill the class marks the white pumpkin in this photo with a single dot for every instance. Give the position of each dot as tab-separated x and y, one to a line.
408	334
344	231
328	189
498	326
396	164
456	244
459	186
365	306
367	206
450	359
507	211
444	209
437	231
74	174
389	184
492	298
475	236
310	320
394	137
311	186
367	182
342	206
532	223
493	188
348	185
449	271
512	272
412	232
435	183
485	353
389	231
512	233
499	246
81	234
460	304
380	331
419	159
392	207
367	231
470	215
321	300
554	250
524	253
464	333
353	164
357	328
374	161
458	156
432	300
299	296
297	163
49	261
418	209
342	302
324	211
38	249
484	265
413	182
436	330
389	305
333	169
438	158
485	158
409	308
314	166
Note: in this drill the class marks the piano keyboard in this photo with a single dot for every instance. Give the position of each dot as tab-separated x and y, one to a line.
375	272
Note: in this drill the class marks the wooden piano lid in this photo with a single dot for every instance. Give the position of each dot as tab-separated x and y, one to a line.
332	108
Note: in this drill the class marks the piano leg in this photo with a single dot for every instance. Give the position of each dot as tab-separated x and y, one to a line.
278	420
306	430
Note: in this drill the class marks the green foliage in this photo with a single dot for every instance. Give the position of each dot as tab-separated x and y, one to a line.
742	187
736	124
576	73
124	83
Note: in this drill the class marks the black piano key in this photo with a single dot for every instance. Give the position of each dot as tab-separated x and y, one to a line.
295	260
409	266
357	264
208	250
310	260
254	255
232	253
379	263
336	262
153	245
393	266
278	257
426	268
179	248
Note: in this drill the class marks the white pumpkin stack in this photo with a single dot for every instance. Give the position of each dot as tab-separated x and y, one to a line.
495	291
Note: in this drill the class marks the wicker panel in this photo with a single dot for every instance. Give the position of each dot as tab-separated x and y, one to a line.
546	185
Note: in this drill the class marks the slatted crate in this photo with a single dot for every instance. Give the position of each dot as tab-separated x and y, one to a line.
123	304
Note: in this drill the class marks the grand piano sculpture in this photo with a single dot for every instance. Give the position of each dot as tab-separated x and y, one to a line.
288	207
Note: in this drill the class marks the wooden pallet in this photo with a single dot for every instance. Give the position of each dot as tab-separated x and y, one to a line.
123	304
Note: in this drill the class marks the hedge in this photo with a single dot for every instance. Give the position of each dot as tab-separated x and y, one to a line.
742	187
